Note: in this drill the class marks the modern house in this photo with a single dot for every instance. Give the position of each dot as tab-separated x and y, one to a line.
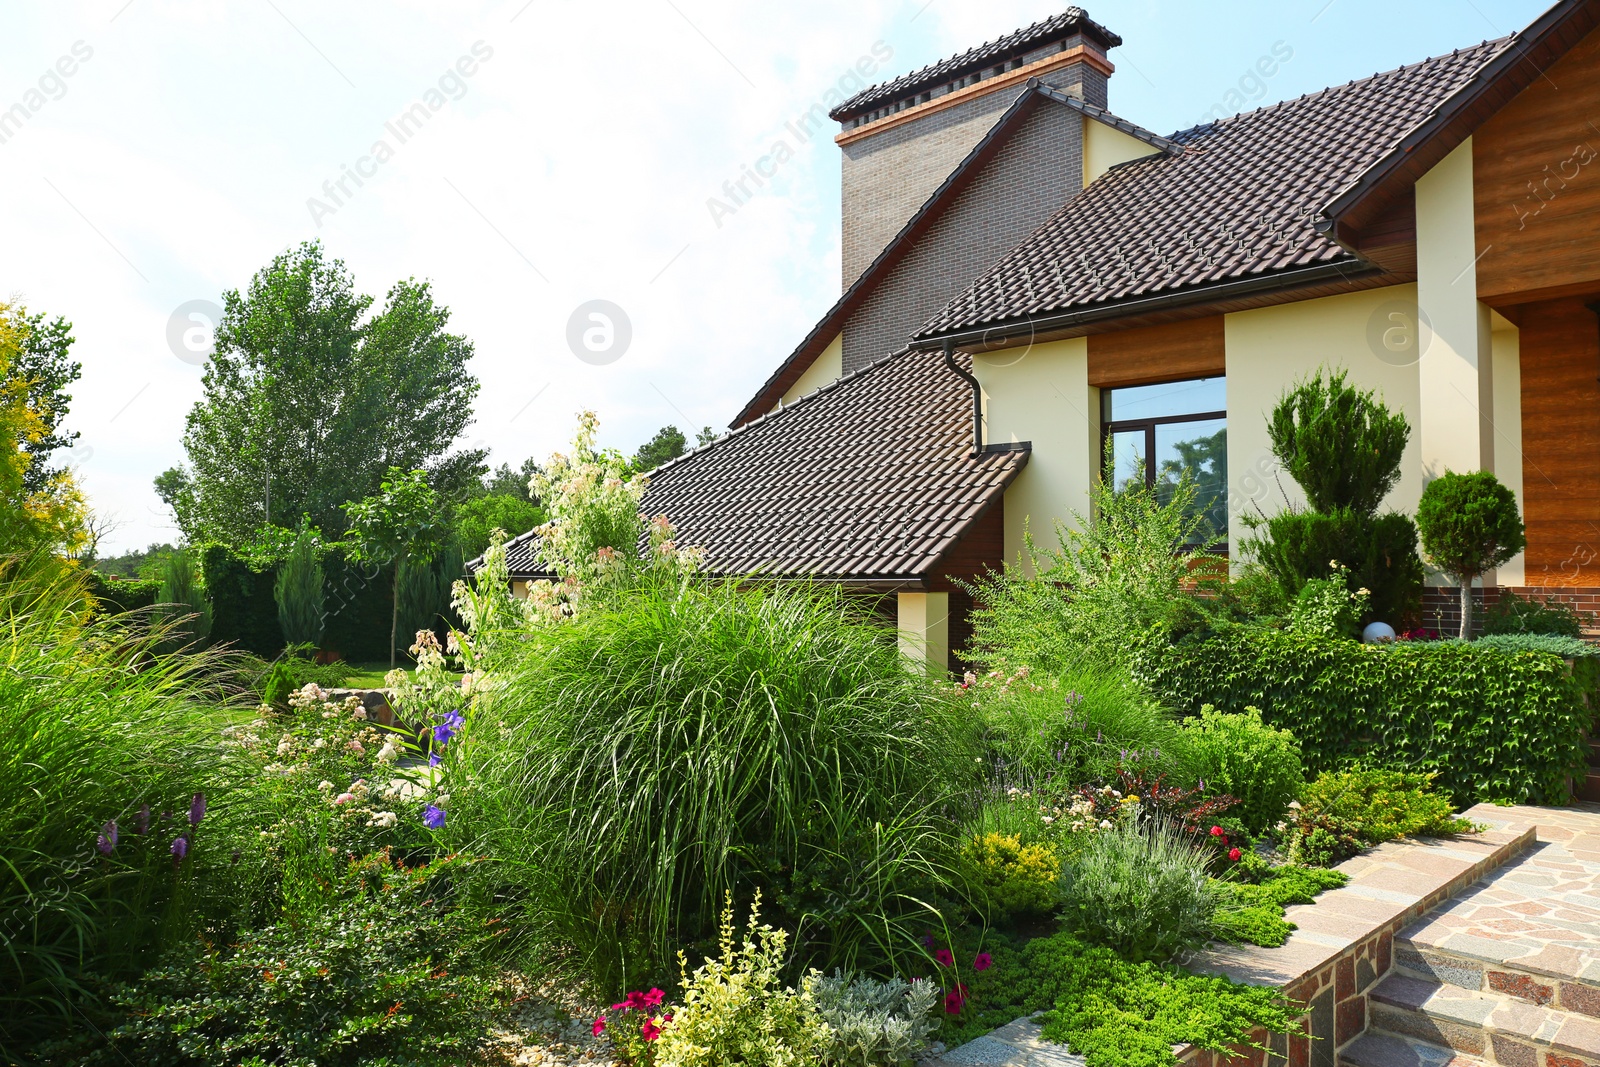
1027	273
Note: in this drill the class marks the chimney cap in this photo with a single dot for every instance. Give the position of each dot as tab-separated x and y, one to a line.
1074	21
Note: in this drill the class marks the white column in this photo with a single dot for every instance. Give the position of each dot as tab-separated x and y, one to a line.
924	620
1456	364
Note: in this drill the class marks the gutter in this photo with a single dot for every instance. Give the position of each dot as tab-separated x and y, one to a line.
988	337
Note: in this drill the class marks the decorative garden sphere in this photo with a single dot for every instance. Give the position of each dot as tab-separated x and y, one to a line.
1377	632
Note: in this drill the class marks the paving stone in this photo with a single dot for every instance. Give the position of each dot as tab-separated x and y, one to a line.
1382	1050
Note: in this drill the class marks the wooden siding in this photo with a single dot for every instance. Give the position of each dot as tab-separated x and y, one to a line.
1560	344
980	551
1170	352
1536	184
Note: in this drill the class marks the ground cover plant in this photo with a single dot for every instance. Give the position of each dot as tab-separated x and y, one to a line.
1343	812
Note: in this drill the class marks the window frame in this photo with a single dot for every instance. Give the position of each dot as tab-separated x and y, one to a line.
1108	427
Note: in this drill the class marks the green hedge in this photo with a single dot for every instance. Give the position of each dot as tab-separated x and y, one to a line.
121	594
1493	723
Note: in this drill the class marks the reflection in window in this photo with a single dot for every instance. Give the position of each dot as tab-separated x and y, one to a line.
1159	432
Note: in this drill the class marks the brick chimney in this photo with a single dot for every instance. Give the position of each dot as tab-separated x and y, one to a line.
902	138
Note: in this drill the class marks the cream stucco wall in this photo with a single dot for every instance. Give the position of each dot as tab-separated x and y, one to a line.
825	368
1106	146
1456	426
1507	429
1371	334
1042	394
924	623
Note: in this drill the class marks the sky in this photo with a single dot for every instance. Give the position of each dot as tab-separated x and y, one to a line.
573	157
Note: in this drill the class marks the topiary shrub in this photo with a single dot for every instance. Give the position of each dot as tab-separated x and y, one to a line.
1343	447
1242	756
298	590
185	611
1469	525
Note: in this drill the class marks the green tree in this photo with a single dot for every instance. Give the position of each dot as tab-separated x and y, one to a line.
1343	446
186	608
668	443
475	520
45	362
1469	525
51	519
311	396
705	437
299	590
512	482
397	526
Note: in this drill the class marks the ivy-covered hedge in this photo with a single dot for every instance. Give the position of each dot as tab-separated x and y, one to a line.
244	612
114	594
1493	723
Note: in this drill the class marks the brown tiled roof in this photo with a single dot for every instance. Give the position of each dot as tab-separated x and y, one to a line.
1072	20
1240	201
871	478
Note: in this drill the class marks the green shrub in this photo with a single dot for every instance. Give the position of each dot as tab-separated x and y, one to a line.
115	595
184	609
1141	889
1114	575
1109	1010
1493	724
872	1023
476	519
1009	877
1512	614
1378	552
1370	807
634	764
298	590
1240	755
96	725
1253	913
385	975
1469	525
736	1009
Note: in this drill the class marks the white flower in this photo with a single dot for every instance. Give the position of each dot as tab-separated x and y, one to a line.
383	819
325	786
360	713
1047	819
388	753
1105	824
444	798
356	747
320	742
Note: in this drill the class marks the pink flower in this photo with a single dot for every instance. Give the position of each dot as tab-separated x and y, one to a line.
343	798
983	962
599	1026
649	1029
1234	854
955	1000
356	747
653	998
944	958
1216	831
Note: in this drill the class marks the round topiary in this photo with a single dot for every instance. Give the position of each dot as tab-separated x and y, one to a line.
1468	524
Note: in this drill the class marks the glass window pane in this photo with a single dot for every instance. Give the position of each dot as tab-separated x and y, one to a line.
1200	448
1127	464
1169	398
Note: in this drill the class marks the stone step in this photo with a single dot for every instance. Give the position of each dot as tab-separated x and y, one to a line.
1386	1050
1554	978
1492	1027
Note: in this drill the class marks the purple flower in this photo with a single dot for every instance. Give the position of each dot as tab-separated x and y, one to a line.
180	848
434	759
197	809
449	728
927	940
443	734
143	821
433	817
107	841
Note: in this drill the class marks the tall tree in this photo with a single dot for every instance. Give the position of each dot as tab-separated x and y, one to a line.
43	360
52	517
311	397
668	443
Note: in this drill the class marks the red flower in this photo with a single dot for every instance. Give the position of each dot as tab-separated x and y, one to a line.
599	1026
650	1029
944	958
638	1000
983	962
653	998
1234	854
955	1000
1216	831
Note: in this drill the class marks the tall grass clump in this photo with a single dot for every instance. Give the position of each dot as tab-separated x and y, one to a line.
101	740
637	762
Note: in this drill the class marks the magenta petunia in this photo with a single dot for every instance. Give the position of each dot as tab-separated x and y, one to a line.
983	962
599	1026
653	998
944	958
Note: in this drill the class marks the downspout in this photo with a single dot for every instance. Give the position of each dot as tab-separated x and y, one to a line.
977	396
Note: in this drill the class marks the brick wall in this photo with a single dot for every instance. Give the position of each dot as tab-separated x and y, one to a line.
1441	607
1038	170
888	176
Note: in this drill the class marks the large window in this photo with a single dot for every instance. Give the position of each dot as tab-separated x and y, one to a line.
1157	432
